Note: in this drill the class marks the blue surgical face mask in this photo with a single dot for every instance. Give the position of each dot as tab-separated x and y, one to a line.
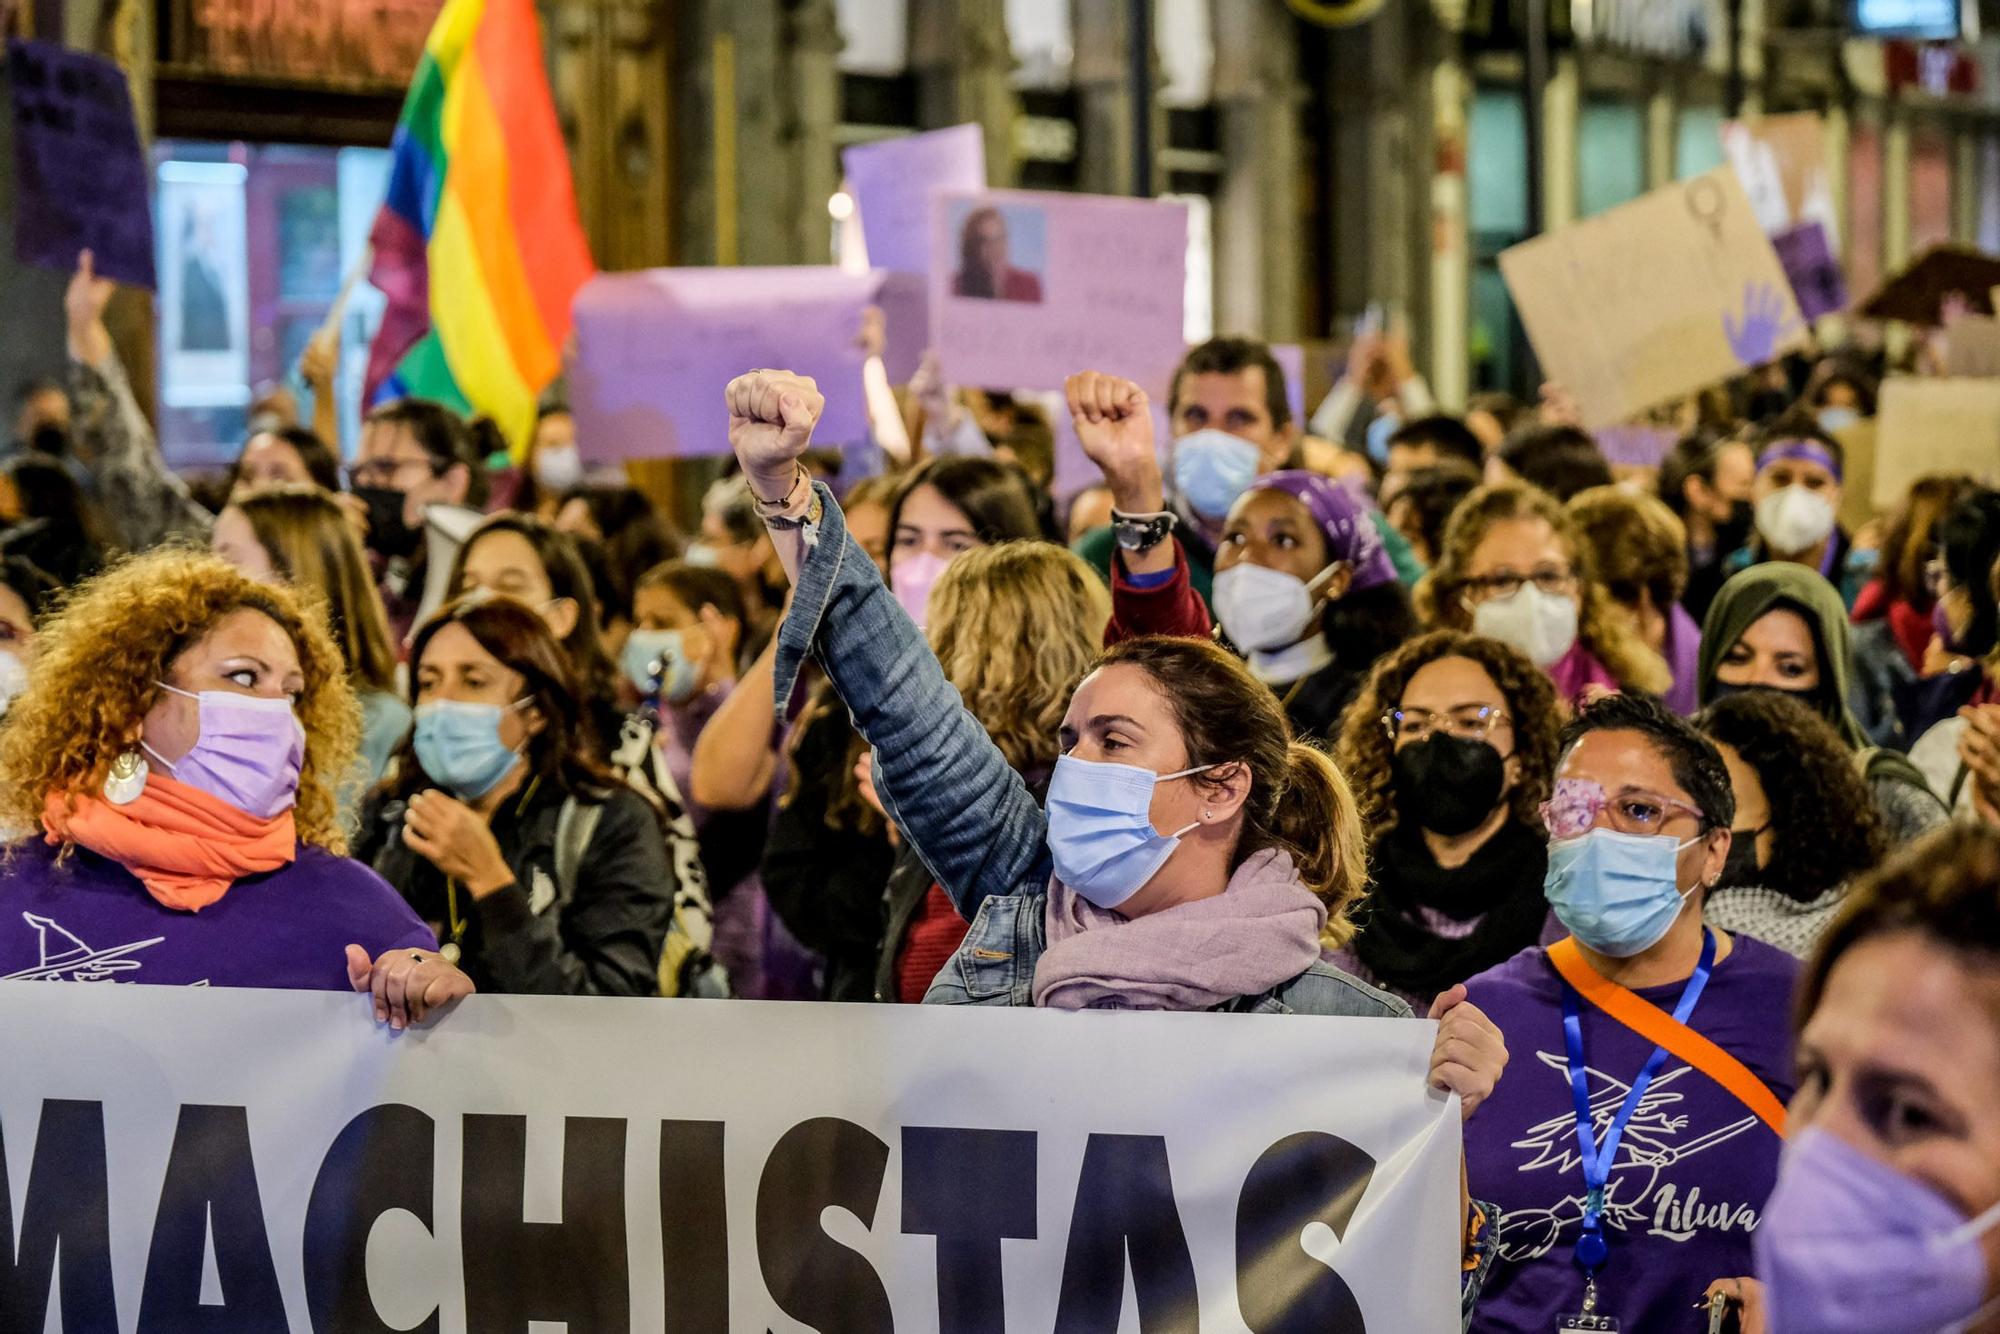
1617	893
656	661
460	748
1379	430
1834	420
1101	831
1211	469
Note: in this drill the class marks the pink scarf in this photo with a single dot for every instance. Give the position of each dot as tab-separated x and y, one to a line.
1261	931
1577	670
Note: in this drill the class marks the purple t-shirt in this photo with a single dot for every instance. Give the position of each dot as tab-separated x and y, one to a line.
90	920
1692	1171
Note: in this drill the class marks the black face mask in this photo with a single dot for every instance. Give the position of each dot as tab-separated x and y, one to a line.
50	439
388	534
1740	869
1446	784
1734	531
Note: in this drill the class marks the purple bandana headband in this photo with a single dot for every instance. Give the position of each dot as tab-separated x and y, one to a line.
1351	538
1799	451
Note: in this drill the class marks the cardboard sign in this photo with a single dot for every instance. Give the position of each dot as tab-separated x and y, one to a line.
1654	299
1781	161
655	349
1031	288
1972	347
1817	283
79	173
892	182
1926	426
595	1164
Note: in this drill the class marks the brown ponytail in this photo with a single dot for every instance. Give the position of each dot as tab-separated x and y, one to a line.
1298	804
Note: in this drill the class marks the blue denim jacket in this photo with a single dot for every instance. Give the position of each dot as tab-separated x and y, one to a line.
944	783
969	815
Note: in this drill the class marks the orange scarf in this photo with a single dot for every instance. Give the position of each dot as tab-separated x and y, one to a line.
186	847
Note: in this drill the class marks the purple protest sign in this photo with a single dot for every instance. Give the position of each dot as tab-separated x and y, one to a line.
1291	359
1808	261
79	174
655	349
892	181
1635	444
1040	286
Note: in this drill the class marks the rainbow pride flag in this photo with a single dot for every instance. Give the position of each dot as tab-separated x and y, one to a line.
478	247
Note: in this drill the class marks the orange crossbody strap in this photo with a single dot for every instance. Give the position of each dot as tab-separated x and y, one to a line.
1659	1028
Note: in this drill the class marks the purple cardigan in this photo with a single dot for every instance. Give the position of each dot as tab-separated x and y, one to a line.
87	919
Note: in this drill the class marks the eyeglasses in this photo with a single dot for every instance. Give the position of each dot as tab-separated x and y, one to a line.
375	472
1555	583
1468	722
1578	802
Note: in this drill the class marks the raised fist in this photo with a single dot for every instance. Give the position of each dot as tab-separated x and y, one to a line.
1114	424
771	420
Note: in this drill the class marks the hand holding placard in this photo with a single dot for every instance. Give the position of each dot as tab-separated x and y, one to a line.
83	309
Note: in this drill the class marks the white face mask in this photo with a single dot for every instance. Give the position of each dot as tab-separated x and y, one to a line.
558	467
1541	625
1263	609
13	678
1794	519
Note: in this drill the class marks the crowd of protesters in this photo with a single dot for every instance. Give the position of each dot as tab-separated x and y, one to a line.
1675	803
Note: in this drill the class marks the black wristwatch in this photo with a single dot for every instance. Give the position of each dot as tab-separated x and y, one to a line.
1141	532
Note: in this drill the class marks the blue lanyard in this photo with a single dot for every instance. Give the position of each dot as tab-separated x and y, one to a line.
1591	1250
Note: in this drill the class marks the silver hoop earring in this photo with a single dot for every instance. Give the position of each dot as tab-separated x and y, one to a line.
127	778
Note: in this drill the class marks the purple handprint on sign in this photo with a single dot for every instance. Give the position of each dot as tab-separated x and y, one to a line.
1754	338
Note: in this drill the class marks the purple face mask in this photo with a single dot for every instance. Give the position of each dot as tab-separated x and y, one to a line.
248	753
1849	1244
911	576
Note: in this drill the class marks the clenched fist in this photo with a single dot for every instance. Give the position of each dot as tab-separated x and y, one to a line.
1115	427
771	420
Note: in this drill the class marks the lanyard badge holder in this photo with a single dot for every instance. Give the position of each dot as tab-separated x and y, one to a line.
1591	1248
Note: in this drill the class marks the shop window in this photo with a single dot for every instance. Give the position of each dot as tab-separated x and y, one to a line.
1698	142
1497	217
1041	34
254	244
1186	47
1610	155
876	35
1930	189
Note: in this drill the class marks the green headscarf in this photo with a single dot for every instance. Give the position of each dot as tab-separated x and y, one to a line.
1792	587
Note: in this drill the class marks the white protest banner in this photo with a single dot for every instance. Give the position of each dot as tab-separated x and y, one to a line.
1028	288
892	182
1654	299
1934	426
265	1160
655	349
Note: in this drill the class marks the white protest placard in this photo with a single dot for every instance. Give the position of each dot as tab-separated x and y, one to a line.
1029	288
892	182
1934	426
265	1160
1653	299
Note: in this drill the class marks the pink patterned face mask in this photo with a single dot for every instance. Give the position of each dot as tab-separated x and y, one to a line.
248	754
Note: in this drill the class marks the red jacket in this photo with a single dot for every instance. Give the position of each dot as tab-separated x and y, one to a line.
1172	608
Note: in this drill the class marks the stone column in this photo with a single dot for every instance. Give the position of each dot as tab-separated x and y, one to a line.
738	194
813	45
1103	79
964	67
1259	244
